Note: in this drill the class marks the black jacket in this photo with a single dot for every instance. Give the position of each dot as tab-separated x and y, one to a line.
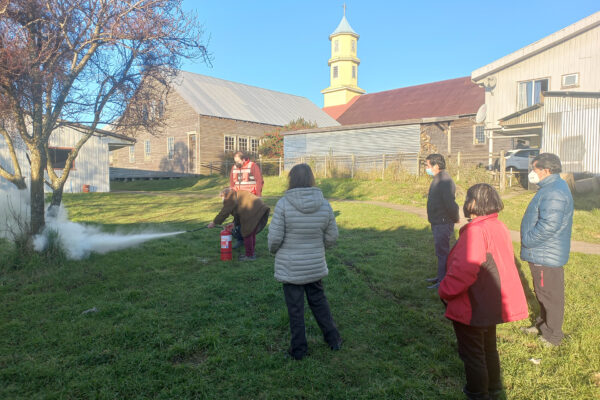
441	207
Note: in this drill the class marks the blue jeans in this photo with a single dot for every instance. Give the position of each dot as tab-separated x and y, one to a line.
441	240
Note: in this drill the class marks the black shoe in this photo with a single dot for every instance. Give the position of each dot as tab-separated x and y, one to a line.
530	330
296	357
244	257
336	346
432	279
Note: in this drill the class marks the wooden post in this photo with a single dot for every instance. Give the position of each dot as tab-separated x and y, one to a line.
449	138
383	167
458	166
326	166
352	166
502	171
280	166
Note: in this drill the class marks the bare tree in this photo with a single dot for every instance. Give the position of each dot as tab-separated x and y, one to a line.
84	61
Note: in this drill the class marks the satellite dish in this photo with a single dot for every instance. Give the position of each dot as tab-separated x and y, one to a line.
481	114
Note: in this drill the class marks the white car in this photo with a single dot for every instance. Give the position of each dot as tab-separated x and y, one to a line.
518	160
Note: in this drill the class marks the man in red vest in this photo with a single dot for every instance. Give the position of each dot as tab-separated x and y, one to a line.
245	175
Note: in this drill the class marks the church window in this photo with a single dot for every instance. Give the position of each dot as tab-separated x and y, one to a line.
335	71
354	71
336	46
354	46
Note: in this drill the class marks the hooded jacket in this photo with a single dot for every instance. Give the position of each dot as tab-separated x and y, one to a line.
246	208
547	224
482	286
302	226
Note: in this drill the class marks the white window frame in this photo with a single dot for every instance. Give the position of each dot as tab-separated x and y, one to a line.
521	106
233	142
132	154
563	78
170	147
253	142
475	139
147	149
239	147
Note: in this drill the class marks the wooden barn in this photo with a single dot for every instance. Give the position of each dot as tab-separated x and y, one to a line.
91	167
206	119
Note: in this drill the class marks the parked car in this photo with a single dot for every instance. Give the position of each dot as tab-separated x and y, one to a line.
518	160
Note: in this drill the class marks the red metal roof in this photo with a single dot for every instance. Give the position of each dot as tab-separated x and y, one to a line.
438	99
335	111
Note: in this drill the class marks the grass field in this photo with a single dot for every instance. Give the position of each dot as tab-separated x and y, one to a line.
173	321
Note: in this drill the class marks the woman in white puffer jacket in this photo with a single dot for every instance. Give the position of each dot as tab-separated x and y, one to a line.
303	225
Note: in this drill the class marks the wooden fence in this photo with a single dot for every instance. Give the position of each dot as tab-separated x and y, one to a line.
490	168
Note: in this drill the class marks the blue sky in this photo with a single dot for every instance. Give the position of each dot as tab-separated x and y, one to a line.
284	45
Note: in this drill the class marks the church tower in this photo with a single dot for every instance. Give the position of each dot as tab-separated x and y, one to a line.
343	66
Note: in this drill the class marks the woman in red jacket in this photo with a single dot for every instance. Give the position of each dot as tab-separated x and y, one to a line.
481	289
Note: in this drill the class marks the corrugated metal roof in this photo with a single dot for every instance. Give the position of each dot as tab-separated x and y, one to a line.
457	96
225	99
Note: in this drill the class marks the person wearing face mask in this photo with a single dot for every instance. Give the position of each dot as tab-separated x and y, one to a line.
245	175
545	245
442	212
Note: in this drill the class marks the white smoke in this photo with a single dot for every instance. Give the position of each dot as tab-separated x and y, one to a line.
78	240
14	211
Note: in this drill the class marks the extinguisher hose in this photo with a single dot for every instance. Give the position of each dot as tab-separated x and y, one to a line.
203	227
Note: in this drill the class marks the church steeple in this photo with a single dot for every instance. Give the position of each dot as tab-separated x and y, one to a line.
343	66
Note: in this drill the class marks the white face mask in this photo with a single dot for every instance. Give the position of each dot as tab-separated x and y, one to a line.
533	177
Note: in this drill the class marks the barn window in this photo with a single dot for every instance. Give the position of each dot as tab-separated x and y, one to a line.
170	147
478	134
254	144
132	154
229	143
243	144
335	71
569	81
58	157
147	148
530	92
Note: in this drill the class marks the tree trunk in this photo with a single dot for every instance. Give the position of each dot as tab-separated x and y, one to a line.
57	195
38	166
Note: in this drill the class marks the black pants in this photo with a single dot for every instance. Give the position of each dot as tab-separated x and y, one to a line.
294	299
477	350
549	286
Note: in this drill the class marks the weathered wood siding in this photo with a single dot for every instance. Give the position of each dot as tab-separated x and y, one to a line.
580	54
91	164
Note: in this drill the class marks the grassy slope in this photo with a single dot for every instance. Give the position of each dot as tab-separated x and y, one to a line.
174	322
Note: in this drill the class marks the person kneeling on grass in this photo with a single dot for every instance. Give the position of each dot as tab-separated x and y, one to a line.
250	211
303	224
481	289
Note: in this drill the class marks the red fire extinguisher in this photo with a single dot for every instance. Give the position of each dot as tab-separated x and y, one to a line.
226	251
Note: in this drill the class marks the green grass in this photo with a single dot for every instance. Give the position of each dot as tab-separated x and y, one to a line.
412	192
175	322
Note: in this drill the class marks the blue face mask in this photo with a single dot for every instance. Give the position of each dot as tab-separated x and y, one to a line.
429	171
